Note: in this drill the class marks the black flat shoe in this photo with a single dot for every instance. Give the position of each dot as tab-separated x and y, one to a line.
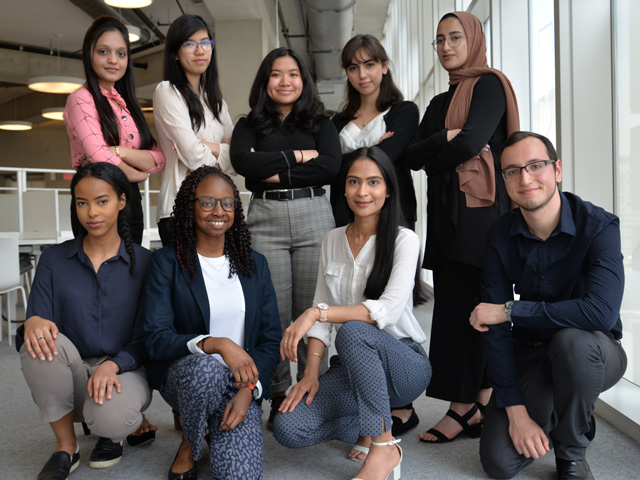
106	453
191	474
473	431
592	428
275	405
573	469
60	465
399	427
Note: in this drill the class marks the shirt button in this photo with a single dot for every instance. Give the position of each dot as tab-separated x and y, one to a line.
124	117
131	136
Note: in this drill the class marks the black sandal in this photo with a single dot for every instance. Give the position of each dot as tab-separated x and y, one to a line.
399	427
472	431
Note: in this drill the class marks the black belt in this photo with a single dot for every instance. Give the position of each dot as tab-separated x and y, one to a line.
290	194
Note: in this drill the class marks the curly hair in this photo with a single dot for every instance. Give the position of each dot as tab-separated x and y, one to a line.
118	181
237	240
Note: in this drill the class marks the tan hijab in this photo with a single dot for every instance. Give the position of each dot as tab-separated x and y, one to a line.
476	176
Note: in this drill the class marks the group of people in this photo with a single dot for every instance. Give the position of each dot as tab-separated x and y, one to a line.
214	319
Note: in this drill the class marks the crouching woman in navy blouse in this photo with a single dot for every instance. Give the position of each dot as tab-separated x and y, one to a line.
81	348
366	282
212	329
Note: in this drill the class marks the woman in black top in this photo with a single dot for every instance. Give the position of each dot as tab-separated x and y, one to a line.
374	113
466	124
287	149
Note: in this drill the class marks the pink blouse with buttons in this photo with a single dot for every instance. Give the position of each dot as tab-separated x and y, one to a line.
85	135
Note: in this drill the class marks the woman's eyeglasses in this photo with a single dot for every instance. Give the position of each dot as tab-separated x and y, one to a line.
453	41
208	204
193	46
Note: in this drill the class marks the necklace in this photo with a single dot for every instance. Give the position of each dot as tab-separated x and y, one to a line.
211	263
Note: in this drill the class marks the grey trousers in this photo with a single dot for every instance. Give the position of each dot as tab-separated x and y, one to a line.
289	233
372	371
560	383
60	386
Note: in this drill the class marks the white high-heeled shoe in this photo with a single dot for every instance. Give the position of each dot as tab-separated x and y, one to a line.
394	474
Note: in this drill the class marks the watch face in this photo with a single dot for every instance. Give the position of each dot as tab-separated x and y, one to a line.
323	306
509	305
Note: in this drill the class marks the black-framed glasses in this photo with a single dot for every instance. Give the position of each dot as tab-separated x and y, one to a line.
208	204
534	169
453	41
192	46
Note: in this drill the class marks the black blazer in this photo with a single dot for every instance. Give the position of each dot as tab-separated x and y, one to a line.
177	310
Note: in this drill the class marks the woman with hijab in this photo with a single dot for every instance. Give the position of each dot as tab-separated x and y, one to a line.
458	144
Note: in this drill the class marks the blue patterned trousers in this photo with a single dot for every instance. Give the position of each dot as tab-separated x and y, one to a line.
372	371
199	387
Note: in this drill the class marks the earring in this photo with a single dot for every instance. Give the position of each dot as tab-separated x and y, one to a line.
345	194
388	196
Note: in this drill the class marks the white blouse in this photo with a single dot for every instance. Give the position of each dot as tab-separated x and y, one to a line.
352	138
181	145
342	280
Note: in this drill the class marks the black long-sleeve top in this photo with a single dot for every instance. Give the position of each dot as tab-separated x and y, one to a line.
402	120
455	231
275	154
573	279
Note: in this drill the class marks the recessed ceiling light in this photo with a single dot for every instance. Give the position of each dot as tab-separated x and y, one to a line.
129	3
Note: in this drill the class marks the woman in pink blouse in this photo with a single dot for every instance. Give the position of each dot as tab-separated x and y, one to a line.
104	119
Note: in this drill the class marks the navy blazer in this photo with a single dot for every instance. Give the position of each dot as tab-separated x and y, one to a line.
177	310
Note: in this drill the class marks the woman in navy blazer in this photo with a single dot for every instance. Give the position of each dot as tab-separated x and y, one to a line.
212	329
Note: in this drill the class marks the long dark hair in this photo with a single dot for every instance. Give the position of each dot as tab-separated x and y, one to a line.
389	94
264	117
125	86
179	32
389	222
119	182
237	240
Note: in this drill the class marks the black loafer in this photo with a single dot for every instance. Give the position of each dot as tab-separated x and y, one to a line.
59	466
106	453
399	427
573	469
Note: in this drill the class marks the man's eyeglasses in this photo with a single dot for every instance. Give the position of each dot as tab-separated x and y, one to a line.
208	204
453	41
534	169
193	46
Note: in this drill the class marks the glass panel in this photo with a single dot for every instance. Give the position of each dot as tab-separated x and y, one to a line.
627	173
543	72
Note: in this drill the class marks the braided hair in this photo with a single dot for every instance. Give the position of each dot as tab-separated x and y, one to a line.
237	240
118	181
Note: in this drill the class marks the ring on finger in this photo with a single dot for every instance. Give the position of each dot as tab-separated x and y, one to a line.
40	337
286	341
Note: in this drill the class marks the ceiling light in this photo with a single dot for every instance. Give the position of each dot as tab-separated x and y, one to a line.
53	113
134	33
55	84
15	125
129	3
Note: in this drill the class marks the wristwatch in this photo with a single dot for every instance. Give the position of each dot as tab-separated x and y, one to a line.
324	309
507	310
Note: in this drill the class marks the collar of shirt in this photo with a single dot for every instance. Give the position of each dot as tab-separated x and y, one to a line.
114	95
75	248
566	225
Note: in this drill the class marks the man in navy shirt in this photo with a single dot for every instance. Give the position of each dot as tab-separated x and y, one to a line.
551	352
